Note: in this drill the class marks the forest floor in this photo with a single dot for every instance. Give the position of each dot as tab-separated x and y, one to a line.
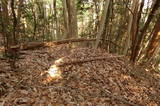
62	75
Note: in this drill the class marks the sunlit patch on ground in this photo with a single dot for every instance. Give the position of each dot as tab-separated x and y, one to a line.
59	61
158	33
126	77
49	44
147	70
54	72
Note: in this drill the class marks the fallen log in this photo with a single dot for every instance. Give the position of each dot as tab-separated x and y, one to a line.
73	40
85	60
34	45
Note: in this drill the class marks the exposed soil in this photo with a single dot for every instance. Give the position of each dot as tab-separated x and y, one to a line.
82	76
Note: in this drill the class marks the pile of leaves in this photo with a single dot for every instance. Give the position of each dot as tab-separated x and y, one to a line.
76	76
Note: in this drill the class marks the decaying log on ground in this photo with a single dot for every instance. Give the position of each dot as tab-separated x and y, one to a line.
34	45
85	60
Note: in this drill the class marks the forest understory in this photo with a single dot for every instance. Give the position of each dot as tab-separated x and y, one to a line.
64	75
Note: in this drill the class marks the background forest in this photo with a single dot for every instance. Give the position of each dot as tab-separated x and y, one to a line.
126	27
80	52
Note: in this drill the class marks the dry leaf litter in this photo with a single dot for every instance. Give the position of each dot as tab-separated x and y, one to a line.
83	77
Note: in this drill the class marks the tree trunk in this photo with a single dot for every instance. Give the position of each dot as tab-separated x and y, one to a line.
5	25
19	14
137	14
14	22
130	23
155	40
1	23
136	47
102	22
13	52
72	19
56	19
65	15
35	22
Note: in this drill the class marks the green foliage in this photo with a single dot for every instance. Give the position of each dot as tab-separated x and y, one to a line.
83	7
27	11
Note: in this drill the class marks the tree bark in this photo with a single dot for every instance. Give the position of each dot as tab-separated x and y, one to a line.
65	15
5	25
19	14
72	19
155	40
135	25
56	19
13	52
136	47
102	22
130	23
14	22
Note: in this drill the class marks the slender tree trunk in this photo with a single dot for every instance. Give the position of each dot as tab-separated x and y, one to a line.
65	15
128	40
97	16
19	14
5	26
13	51
102	22
1	23
135	26
35	22
107	28
14	22
72	18
57	27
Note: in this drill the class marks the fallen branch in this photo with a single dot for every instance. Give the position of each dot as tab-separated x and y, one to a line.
86	60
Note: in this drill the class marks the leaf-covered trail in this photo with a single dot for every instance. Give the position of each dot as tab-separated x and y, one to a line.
107	81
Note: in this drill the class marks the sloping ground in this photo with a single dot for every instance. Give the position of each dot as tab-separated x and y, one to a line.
81	76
